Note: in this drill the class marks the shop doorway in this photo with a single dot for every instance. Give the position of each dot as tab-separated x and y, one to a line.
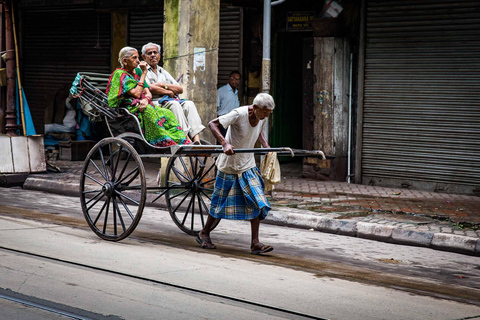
288	89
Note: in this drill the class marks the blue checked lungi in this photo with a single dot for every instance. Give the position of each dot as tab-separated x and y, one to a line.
239	196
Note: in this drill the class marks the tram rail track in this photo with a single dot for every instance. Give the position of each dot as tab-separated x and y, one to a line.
44	307
282	311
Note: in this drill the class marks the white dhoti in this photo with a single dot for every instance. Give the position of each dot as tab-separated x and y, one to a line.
187	115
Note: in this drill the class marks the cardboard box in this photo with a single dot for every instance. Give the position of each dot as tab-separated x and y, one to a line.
75	150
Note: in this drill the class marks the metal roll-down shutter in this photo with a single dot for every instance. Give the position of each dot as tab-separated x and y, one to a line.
421	113
230	43
145	27
57	44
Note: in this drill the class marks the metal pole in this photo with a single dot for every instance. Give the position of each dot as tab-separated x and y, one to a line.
11	114
267	9
349	150
361	87
19	82
2	65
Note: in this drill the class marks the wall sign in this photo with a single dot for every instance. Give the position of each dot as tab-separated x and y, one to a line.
300	20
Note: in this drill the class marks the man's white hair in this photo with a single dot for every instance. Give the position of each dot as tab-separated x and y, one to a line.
264	100
125	52
144	48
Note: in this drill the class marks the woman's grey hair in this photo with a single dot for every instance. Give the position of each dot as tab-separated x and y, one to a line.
144	48
125	52
264	100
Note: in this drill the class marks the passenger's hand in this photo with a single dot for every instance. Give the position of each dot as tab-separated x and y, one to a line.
143	65
228	149
143	105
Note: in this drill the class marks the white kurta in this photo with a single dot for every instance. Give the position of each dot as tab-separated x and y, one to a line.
241	135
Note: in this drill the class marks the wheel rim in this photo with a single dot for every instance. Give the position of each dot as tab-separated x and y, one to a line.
113	189
190	180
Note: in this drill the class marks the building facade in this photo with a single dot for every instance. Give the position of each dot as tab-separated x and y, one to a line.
388	89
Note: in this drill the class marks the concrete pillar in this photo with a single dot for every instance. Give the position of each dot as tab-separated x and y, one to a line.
190	52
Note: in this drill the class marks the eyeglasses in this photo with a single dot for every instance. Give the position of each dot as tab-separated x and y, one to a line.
235	79
152	52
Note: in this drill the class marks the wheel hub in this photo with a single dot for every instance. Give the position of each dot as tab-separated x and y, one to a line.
195	185
108	189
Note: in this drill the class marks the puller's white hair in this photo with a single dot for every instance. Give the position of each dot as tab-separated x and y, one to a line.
264	100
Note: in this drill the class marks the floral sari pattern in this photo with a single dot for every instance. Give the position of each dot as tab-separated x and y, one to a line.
159	125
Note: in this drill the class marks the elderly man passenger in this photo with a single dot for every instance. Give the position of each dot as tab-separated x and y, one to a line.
165	91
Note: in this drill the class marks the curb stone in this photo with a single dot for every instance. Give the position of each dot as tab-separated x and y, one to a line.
366	230
297	218
374	231
405	236
452	242
58	187
348	228
305	221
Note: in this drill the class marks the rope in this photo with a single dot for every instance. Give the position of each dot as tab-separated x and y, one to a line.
189	54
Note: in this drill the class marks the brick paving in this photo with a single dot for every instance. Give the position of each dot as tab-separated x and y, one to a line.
401	208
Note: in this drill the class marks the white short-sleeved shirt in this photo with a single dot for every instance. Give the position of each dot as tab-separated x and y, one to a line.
241	135
161	75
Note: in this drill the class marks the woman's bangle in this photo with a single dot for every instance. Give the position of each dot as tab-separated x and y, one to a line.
140	84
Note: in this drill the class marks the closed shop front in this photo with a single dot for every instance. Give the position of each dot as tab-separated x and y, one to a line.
421	106
58	42
145	27
230	43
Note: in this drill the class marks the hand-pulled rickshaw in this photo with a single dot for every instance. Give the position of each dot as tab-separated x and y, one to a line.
113	188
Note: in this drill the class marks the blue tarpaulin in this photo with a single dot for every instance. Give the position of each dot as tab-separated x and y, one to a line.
29	128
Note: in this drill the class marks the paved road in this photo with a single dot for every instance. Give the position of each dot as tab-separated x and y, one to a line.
441	221
325	275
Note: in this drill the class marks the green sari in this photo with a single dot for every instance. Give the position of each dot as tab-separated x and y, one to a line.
159	125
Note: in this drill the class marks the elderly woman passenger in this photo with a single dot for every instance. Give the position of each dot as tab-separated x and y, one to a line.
128	89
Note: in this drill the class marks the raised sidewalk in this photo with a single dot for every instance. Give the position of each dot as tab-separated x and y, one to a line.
441	221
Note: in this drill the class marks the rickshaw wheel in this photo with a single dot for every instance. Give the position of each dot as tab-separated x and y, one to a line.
190	181
113	189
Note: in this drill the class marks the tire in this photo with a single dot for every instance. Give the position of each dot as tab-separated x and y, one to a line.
190	180
113	189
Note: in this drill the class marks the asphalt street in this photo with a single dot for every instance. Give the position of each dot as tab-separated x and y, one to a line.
410	269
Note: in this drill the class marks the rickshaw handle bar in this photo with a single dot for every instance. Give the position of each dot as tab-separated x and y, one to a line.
184	150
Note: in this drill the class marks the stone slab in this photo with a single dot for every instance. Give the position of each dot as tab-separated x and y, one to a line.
406	236
374	231
337	226
453	242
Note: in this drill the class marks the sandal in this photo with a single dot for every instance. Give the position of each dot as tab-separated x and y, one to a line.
206	243
260	248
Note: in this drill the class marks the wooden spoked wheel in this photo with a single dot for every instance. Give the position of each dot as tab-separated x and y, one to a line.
113	189
190	181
